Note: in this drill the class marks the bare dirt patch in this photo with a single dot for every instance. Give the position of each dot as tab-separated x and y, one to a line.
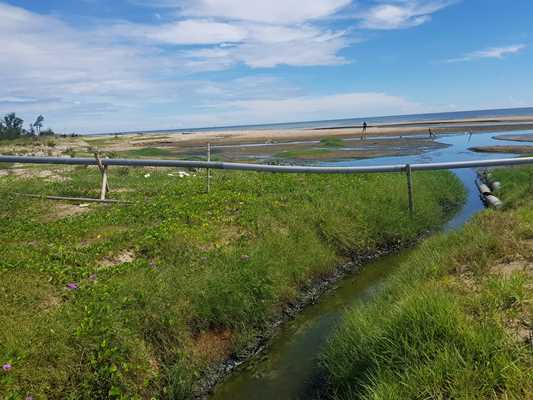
224	238
60	211
126	256
503	149
212	346
516	138
48	175
508	269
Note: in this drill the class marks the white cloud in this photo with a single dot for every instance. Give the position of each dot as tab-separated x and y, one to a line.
302	108
103	76
186	32
257	45
493	52
281	45
398	14
271	11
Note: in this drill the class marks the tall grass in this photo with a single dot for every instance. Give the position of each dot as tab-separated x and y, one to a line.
208	274
445	326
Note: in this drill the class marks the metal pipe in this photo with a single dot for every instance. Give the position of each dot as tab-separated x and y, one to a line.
76	199
208	169
266	168
493	201
410	189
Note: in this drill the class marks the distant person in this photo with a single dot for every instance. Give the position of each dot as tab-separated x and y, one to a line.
363	134
431	134
469	136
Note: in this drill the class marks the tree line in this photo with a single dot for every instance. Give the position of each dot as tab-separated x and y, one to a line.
12	127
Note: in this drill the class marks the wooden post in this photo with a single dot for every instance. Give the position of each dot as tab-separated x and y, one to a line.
208	169
103	170
105	188
410	189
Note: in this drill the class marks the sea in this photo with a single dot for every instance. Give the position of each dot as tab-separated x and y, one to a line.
358	121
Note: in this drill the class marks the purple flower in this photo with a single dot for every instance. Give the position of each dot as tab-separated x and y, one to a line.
73	286
7	367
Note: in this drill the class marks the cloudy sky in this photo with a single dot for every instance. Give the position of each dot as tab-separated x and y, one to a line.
102	66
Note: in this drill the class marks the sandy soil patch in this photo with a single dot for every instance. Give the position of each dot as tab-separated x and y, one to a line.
508	269
503	149
213	347
516	138
126	256
224	238
28	173
60	211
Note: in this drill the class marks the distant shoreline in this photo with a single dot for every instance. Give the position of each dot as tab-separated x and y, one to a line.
406	129
346	123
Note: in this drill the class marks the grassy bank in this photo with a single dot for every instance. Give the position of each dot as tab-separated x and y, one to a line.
138	301
455	321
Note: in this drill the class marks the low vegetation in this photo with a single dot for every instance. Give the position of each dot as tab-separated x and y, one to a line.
138	301
510	149
332	142
455	321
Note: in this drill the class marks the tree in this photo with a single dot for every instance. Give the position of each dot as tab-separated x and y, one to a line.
12	126
38	124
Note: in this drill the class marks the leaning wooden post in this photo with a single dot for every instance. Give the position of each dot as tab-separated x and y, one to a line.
103	170
410	189
105	188
208	169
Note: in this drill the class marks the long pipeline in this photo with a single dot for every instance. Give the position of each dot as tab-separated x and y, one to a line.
266	168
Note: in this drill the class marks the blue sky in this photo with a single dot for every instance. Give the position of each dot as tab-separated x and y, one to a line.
100	65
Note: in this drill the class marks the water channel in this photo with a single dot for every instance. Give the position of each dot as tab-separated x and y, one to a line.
289	370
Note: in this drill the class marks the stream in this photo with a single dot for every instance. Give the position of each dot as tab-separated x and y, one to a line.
289	370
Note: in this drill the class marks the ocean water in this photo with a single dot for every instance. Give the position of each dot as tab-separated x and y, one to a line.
342	123
392	119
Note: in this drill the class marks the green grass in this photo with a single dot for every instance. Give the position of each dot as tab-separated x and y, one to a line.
303	154
332	142
150	152
445	326
208	273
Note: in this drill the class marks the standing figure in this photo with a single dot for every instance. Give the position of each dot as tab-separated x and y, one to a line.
363	134
431	134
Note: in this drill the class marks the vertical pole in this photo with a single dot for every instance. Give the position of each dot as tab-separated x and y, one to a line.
208	169
410	189
103	170
104	189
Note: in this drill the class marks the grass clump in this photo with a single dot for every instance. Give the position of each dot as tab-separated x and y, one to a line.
139	301
332	142
150	152
452	322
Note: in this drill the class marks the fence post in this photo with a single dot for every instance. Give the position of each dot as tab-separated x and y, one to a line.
410	189
103	170
208	169
105	188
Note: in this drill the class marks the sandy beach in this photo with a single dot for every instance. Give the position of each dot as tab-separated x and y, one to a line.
289	135
282	145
